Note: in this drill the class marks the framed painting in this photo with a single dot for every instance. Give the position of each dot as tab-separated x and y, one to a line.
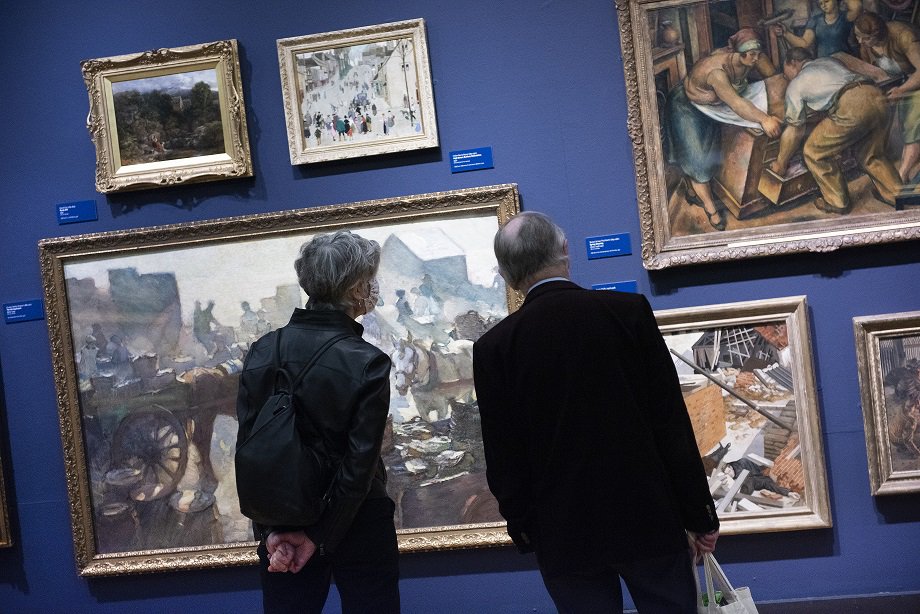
735	154
148	331
167	116
358	92
888	355
746	374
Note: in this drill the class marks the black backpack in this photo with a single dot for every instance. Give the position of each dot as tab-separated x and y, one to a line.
282	479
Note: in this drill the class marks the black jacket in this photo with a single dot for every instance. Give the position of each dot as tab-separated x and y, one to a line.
589	447
347	396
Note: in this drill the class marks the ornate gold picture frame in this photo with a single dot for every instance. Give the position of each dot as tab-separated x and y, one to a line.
6	538
358	92
167	116
148	330
888	355
748	382
755	212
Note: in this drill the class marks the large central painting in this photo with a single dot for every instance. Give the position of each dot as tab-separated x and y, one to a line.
150	329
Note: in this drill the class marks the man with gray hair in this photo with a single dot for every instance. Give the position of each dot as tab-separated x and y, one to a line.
589	447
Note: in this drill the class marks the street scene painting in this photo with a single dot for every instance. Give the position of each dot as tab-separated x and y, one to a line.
888	352
168	117
787	118
158	342
751	402
357	92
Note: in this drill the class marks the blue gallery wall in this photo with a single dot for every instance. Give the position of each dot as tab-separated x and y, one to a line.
539	81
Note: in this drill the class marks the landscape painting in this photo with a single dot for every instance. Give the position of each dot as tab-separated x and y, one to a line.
357	92
167	116
746	376
736	154
148	344
888	353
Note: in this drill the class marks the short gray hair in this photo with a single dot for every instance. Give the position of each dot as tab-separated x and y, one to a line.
536	243
332	264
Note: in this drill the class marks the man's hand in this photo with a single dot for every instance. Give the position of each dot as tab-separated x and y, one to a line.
289	551
896	93
701	543
772	126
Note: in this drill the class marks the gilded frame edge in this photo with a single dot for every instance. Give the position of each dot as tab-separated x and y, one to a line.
238	160
867	331
794	311
660	250
6	537
503	199
287	47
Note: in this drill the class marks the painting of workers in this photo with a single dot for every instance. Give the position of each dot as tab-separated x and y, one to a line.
357	92
773	128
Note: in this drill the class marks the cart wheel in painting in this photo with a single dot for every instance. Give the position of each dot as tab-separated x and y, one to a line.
153	442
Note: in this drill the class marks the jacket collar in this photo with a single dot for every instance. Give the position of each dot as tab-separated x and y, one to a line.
326	318
549	287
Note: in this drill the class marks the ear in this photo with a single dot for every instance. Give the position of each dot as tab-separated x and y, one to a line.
565	247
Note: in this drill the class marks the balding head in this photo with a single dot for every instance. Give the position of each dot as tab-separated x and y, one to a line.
530	247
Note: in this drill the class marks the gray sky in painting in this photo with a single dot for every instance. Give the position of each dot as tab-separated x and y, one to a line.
168	83
251	270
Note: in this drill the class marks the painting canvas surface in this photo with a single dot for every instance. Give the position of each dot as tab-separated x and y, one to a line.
358	94
168	117
159	338
739	388
900	376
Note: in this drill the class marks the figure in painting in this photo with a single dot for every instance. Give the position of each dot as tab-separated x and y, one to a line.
825	33
697	105
248	322
86	358
855	116
203	323
895	48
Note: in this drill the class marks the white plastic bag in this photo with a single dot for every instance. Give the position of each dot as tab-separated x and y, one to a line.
737	600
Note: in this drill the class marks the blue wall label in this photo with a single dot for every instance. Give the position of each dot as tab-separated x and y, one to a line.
606	246
471	159
24	311
79	211
619	286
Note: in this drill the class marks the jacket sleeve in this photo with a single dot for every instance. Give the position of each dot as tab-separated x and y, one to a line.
506	454
371	402
672	430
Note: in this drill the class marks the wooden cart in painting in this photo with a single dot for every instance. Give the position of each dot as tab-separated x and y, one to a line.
149	444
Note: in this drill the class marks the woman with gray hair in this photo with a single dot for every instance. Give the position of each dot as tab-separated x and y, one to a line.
345	398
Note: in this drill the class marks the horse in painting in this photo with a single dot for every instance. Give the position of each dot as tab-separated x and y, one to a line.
435	375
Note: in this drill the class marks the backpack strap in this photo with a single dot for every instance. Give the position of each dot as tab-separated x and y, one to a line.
297	380
316	357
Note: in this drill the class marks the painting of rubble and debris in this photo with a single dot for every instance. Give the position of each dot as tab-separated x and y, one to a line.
746	398
159	338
